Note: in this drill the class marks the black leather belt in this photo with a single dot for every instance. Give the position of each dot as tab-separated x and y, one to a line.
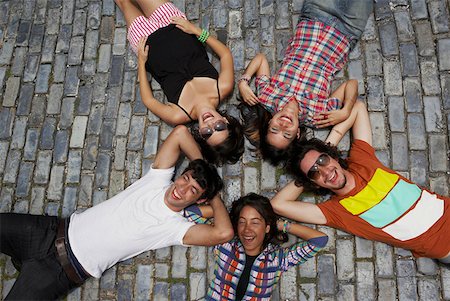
63	258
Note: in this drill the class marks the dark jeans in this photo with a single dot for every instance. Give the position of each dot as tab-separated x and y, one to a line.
348	16
29	240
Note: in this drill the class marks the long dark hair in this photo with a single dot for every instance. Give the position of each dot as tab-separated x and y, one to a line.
256	125
298	152
263	206
230	150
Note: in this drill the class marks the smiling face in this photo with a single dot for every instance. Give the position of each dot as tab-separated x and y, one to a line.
252	230
184	192
331	176
283	127
212	120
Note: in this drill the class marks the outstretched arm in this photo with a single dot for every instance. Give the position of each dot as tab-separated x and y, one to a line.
226	75
359	122
179	140
168	113
209	235
348	92
285	204
258	66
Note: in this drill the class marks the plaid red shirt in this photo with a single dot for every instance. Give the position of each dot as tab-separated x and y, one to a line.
314	55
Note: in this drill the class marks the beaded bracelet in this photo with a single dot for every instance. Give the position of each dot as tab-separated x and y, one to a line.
204	36
286	226
245	79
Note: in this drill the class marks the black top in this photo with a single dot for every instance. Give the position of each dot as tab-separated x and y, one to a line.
175	58
245	276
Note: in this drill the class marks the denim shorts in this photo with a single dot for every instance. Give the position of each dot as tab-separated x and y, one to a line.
348	16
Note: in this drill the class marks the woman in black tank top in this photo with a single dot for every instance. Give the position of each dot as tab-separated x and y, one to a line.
171	49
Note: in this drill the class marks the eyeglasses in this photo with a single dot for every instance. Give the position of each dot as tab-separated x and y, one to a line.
218	126
314	172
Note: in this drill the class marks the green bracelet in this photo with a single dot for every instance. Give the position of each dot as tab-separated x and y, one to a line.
286	226
204	36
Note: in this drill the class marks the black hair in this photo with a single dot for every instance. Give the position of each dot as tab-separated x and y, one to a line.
262	205
206	176
256	125
230	150
298	152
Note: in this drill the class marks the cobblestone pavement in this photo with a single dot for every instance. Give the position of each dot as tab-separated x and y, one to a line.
74	132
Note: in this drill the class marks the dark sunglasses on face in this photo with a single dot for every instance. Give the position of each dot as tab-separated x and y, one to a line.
314	172
218	126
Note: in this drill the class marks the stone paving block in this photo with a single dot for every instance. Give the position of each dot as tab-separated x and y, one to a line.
69	201
53	21
55	185
24	180
408	54
6	196
23	33
85	194
413	95
37	200
268	179
429	76
418	165
134	167
125	287
281	43
59	68
90	153
54	99
42	171
42	78
61	146
104	58
31	144
416	132
52	208
18	64
388	39
428	289
11	91
79	23
345	259
384	266
144	282
94	15
67	111
37	37
76	51
374	62
445	281
197	257
235	21
365	283
78	131
396	113
7	52
399	145
73	167
424	39
3	154
250	180
392	78
84	100
116	183
102	170
387	290
355	70
439	158
405	29
47	134
119	153
18	136
364	248
238	50
90	289
433	115
426	266
106	29
178	291
31	68
63	43
288	285
445	86
123	120
326	283
107	134
67	12
179	266
72	81
439	185
443	47
197	283
160	291
419	9
438	16
382	9
129	86
378	130
120	40
407	288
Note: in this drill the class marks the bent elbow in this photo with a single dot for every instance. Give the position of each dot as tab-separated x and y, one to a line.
226	235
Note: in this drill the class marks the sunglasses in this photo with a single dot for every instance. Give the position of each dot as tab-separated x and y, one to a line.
314	172
218	126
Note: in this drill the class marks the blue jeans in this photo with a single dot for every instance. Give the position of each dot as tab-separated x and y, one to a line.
30	241
348	16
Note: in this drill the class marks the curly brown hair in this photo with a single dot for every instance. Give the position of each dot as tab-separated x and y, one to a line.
298	152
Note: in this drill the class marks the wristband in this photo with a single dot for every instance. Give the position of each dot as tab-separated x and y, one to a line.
203	36
245	79
286	226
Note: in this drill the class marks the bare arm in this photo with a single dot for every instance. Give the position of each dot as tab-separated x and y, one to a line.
348	92
226	75
285	204
359	122
258	65
209	235
179	140
168	113
300	231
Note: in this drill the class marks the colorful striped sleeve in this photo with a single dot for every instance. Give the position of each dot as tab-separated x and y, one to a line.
194	214
300	252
